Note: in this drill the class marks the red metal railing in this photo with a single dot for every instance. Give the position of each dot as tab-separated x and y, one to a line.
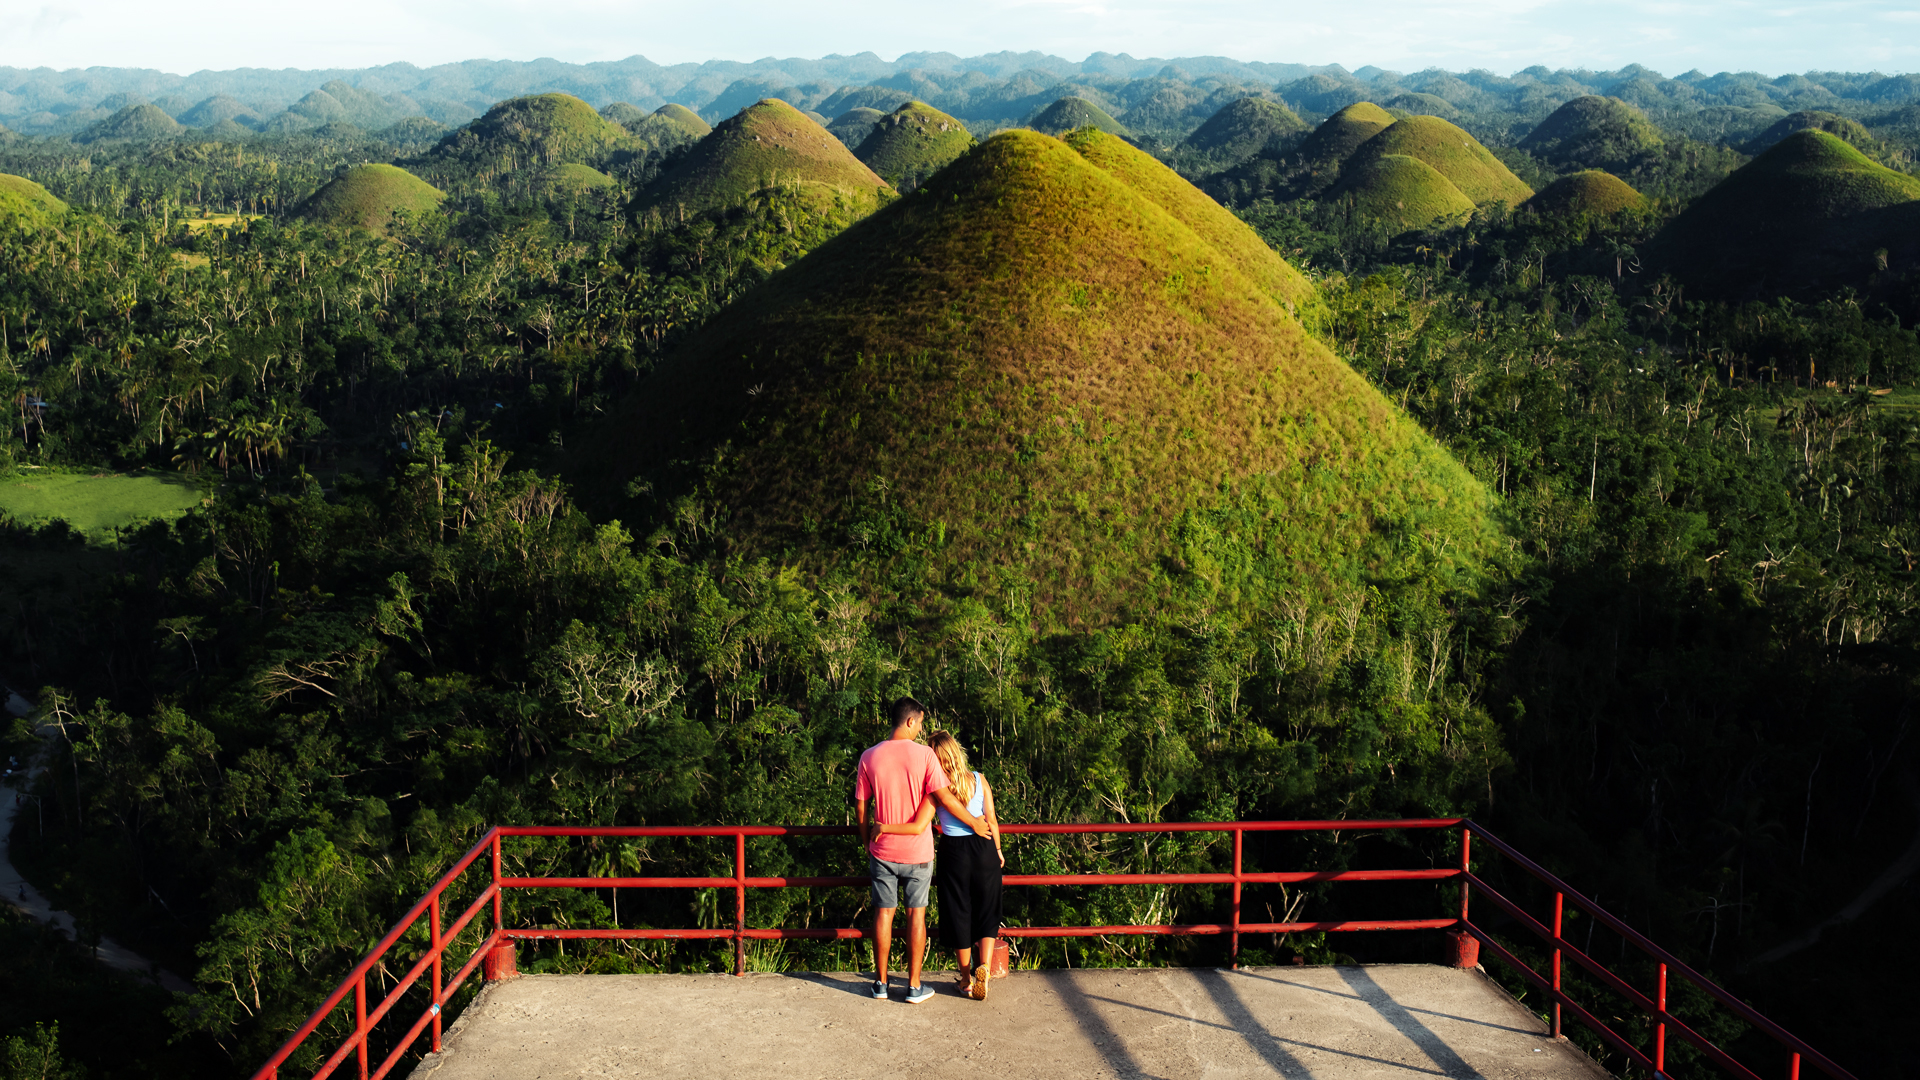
1653	1006
442	991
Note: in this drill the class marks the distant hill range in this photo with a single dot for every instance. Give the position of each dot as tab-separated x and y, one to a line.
1001	89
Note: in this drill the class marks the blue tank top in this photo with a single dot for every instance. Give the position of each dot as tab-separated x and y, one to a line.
977	806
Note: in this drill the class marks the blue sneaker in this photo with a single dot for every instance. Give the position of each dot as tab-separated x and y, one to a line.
879	990
918	994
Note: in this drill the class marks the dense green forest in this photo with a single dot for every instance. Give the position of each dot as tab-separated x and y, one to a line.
410	605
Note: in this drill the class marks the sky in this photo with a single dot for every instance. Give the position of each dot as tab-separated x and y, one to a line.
183	36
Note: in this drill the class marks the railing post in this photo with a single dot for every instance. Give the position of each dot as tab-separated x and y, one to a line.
739	903
496	880
360	1022
1660	1025
1559	906
1233	960
1466	853
433	930
1793	1066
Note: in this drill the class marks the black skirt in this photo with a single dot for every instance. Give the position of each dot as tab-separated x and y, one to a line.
969	891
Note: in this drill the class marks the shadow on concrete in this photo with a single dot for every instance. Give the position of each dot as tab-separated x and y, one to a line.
1423	1012
1406	1023
1234	1010
1100	1034
1334	1050
856	986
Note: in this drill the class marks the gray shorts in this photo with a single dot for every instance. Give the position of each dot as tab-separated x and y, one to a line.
889	876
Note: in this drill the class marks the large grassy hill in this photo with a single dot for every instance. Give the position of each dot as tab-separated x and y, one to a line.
1400	190
1073	113
367	197
912	143
1588	192
1592	131
1812	213
1191	207
763	145
1452	152
1849	130
1335	140
538	131
27	203
1030	366
1243	128
135	122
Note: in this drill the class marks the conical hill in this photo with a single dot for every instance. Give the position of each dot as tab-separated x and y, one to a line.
1074	113
683	118
763	145
1847	129
912	143
1592	131
1401	190
26	203
853	126
1336	139
1190	206
1244	127
537	130
1588	192
367	196
142	121
1452	152
1812	213
1028	366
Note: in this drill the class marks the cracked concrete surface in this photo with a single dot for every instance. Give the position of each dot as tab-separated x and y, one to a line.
1321	1022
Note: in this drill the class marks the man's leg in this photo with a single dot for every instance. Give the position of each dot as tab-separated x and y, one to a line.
883	941
916	943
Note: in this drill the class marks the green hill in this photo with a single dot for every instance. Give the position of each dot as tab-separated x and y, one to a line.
25	202
1072	114
574	177
1810	214
1851	131
624	113
1190	206
1588	192
1243	128
1592	132
1401	190
762	145
367	196
1452	152
141	122
853	126
1028	366
912	143
544	129
1335	140
683	118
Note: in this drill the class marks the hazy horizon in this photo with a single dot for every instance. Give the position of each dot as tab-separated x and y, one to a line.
220	35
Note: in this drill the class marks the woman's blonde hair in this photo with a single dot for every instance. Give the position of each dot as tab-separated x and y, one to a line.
953	761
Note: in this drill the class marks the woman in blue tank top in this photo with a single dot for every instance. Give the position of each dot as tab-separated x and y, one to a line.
970	866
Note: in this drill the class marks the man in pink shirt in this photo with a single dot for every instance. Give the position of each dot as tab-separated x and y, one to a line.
897	775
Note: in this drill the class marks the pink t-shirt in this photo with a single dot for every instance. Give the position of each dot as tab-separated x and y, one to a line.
897	775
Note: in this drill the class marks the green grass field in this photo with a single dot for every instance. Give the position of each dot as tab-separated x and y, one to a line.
97	504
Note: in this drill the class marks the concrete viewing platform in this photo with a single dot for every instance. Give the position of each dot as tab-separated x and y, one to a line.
1315	1022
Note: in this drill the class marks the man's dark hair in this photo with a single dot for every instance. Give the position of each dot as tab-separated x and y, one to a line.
906	709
